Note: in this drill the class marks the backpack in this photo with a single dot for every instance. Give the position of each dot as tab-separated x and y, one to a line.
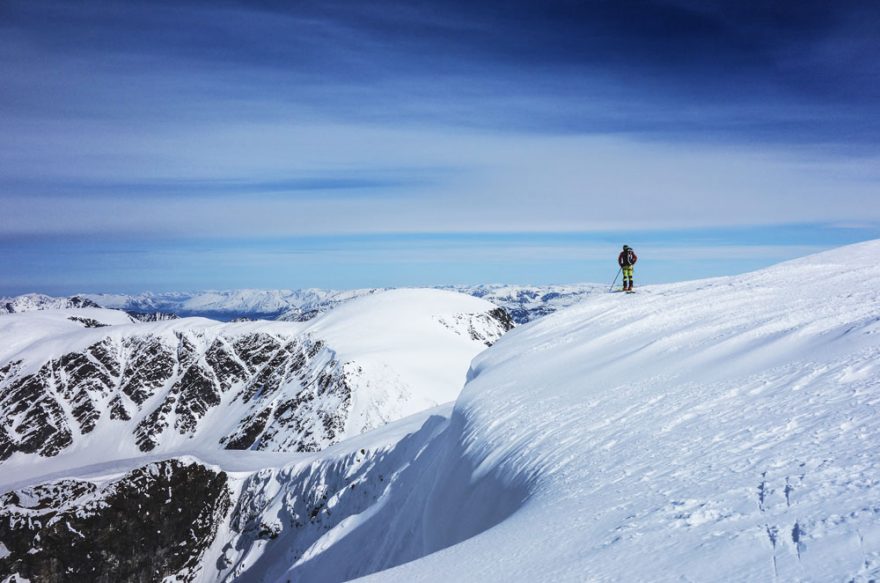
628	257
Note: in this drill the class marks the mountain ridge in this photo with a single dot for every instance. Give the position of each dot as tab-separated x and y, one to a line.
523	302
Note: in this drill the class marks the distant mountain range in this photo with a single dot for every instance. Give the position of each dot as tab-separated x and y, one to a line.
523	303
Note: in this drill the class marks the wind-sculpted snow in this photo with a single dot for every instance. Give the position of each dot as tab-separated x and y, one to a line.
365	506
722	430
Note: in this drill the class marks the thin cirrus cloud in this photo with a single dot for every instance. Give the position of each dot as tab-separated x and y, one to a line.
193	119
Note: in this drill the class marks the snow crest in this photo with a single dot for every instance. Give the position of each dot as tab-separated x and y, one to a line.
716	430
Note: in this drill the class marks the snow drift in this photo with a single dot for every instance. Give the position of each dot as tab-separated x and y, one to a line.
725	429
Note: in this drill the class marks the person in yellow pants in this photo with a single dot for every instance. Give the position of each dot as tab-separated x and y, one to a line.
627	259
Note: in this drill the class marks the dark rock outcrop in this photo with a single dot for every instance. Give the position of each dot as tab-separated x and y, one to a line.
154	522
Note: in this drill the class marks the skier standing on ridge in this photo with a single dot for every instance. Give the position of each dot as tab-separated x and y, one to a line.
626	260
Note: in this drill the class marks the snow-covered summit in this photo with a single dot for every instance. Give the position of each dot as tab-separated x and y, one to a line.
34	301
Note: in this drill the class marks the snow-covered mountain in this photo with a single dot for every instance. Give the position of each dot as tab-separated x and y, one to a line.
288	305
721	430
91	393
31	302
523	303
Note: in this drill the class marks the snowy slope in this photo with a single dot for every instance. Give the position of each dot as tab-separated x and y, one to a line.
36	327
89	395
717	430
405	358
725	429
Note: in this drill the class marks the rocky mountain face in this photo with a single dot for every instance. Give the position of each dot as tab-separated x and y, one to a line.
76	530
196	522
287	393
152	316
479	327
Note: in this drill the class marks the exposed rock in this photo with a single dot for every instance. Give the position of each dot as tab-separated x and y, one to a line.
151	316
73	530
33	420
290	392
87	322
152	387
149	365
485	328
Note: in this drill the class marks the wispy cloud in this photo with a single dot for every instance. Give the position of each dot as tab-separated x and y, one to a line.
342	183
185	120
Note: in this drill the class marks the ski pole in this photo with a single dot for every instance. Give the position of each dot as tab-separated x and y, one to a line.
615	279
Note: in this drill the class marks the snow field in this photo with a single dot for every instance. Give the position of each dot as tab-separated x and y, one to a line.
716	430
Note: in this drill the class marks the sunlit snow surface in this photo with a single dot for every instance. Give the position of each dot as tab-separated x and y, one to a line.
725	429
720	430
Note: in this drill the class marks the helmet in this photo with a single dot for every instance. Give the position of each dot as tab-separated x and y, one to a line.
626	247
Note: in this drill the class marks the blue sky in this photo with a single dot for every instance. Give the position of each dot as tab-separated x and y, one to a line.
192	145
